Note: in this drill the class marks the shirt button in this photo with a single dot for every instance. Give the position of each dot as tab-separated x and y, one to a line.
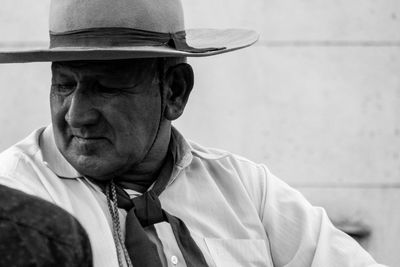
174	260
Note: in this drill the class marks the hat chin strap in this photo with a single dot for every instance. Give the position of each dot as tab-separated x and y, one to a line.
160	68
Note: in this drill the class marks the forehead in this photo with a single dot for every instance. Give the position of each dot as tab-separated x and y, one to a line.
135	67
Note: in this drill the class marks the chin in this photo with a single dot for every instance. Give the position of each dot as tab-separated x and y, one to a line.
100	170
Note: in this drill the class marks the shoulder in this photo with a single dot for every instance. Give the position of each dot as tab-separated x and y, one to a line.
266	190
27	148
20	160
230	170
215	154
244	167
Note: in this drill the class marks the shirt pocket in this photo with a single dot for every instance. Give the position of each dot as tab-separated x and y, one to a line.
239	252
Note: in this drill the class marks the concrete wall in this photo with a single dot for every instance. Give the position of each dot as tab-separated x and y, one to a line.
24	88
317	100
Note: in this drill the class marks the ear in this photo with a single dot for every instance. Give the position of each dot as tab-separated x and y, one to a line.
178	85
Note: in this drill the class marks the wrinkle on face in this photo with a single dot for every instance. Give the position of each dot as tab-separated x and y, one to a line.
106	114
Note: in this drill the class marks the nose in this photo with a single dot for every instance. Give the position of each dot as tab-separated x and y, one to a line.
81	110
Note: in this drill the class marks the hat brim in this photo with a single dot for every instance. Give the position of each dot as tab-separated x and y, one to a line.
229	39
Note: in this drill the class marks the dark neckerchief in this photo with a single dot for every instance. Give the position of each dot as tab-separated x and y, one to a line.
145	211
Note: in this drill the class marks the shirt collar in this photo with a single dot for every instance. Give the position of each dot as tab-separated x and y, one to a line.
55	161
53	158
181	149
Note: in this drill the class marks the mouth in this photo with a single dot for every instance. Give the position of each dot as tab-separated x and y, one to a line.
88	140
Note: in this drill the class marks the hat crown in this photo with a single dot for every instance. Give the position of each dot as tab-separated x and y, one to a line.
149	15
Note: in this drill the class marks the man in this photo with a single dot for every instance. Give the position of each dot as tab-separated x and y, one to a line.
145	195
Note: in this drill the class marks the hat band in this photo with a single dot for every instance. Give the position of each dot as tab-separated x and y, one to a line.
124	37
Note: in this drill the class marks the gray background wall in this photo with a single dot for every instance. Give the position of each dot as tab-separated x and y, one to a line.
317	100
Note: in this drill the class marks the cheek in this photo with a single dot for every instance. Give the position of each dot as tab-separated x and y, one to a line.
136	123
57	110
60	126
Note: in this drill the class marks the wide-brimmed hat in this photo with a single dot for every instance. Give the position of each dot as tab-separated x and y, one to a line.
123	29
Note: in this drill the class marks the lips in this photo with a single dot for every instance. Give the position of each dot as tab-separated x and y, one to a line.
84	137
88	140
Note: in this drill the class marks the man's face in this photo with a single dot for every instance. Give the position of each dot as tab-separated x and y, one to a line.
105	115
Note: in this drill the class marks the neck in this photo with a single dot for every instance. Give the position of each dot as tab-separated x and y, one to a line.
141	180
141	176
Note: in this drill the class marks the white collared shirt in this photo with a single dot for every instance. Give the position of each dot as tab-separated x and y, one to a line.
238	213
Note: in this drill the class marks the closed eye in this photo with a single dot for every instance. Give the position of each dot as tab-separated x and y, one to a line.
63	89
105	90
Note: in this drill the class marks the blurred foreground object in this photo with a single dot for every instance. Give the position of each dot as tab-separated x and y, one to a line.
34	232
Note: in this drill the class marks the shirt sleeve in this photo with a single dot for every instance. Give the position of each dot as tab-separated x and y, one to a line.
301	235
